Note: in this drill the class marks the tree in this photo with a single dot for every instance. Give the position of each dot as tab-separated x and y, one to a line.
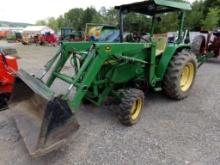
52	23
103	11
134	22
210	4
90	15
195	16
169	22
60	22
204	13
73	18
41	22
111	17
212	18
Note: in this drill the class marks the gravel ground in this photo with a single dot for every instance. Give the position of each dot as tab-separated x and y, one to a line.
170	133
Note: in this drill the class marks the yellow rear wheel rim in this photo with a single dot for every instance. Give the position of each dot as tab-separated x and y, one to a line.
187	77
136	109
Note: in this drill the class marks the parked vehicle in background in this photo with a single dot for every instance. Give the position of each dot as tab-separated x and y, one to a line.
3	33
65	32
46	39
94	32
207	44
31	33
14	36
69	34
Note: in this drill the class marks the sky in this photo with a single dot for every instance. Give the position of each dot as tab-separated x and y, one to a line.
29	11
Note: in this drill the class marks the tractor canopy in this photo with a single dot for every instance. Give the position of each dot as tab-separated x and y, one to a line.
153	7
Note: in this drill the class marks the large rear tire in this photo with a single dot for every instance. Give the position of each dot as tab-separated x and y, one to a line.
180	75
198	45
131	106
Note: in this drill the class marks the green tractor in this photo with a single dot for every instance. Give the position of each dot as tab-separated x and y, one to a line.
123	71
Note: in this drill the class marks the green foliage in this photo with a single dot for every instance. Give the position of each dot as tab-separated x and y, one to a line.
212	19
137	23
60	21
211	4
204	14
41	22
52	22
73	18
112	17
195	16
168	23
90	15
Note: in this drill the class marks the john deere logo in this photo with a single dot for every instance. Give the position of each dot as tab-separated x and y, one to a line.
108	48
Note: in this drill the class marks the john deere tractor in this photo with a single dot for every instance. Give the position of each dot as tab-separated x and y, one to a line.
123	71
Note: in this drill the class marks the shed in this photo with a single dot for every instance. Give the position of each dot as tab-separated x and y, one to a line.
34	30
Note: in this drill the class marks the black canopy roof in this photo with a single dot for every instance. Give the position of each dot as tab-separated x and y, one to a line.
152	7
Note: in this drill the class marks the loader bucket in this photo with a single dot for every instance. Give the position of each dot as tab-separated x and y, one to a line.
45	123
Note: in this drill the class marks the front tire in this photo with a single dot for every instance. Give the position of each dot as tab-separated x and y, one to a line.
131	106
180	75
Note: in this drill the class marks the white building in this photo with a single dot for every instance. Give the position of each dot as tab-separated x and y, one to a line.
34	30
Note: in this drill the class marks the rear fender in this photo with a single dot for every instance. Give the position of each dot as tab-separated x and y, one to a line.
168	54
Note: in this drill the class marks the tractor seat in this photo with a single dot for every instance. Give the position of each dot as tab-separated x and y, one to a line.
161	44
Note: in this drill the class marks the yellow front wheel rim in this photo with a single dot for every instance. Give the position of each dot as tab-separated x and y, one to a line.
136	109
187	77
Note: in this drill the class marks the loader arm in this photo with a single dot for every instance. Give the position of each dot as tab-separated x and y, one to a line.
95	58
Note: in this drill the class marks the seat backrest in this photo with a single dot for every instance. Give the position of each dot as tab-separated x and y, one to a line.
161	43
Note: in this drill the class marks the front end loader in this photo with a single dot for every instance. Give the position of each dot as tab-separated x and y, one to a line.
123	71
